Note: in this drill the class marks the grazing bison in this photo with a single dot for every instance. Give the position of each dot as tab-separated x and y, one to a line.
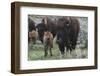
48	42
46	25
67	33
33	35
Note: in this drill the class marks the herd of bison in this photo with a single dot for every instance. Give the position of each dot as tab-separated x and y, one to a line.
65	29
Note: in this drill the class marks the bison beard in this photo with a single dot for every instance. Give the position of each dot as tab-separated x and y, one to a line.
67	34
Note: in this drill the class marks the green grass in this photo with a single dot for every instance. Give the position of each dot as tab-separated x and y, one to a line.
36	52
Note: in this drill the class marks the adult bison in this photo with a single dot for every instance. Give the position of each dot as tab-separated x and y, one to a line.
46	25
67	33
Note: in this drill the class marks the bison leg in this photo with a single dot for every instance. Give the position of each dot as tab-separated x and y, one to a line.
69	49
46	51
68	46
50	52
34	40
74	41
62	49
74	44
51	46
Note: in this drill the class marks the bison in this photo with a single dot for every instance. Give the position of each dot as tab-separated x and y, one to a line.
33	35
48	42
46	25
31	26
67	33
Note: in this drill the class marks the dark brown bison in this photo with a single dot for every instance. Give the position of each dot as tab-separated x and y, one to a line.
46	25
48	42
67	33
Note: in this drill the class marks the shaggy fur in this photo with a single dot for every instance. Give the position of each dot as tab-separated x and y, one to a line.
48	42
33	35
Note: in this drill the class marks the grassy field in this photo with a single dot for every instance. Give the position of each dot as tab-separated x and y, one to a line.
36	52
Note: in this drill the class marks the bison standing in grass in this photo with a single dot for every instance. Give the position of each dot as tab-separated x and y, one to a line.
48	42
67	34
46	32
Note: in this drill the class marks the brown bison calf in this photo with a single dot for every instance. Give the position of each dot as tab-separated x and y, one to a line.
33	35
48	43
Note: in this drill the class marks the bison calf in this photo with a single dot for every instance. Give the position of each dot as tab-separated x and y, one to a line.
48	42
32	36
